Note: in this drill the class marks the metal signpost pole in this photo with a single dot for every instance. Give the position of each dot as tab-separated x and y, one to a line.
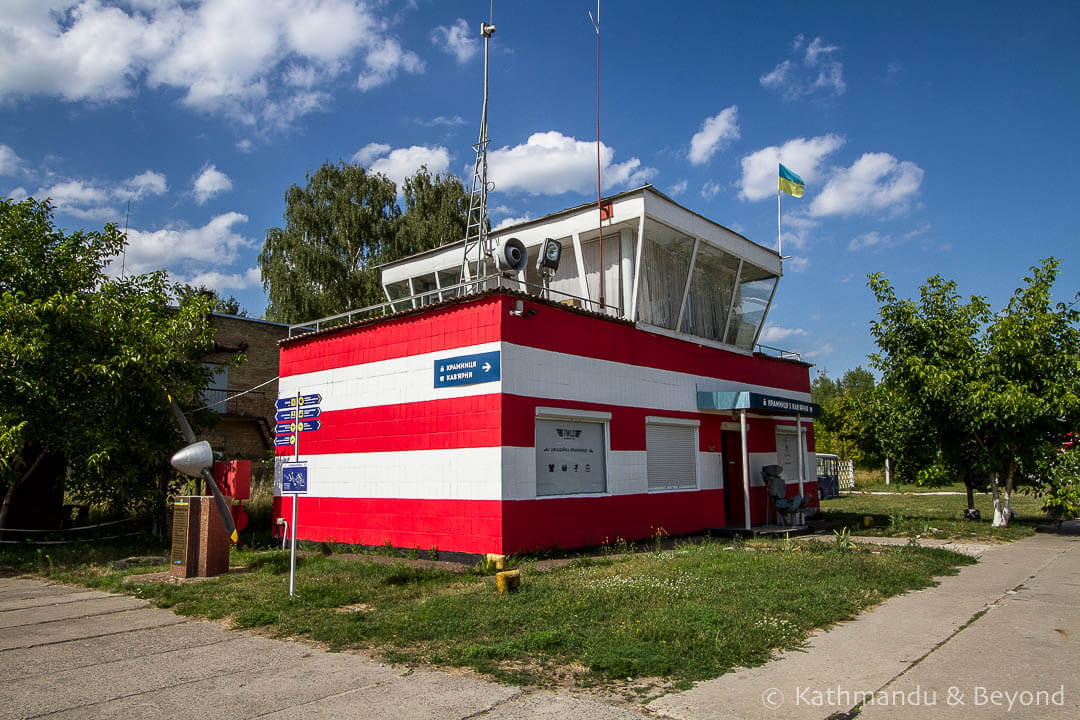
295	501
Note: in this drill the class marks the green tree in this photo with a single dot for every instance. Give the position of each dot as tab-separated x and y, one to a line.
974	392
341	227
86	366
840	428
227	305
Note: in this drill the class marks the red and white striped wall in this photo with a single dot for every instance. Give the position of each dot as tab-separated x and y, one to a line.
398	460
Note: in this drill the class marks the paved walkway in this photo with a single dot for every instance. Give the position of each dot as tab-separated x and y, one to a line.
1010	624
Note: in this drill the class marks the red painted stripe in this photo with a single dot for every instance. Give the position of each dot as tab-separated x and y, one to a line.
446	328
552	328
468	526
466	422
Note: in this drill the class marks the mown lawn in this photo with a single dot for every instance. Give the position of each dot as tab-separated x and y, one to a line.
909	514
674	616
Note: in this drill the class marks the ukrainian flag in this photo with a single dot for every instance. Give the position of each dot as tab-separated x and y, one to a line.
791	183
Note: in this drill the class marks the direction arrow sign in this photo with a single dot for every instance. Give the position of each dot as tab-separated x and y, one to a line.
290	427
290	402
467	369
290	414
281	440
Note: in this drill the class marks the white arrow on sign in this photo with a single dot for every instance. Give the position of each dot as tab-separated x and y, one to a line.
487	366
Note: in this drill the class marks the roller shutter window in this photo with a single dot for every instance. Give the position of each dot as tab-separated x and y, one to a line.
672	456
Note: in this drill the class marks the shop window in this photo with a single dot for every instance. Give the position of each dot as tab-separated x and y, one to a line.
671	451
711	287
570	456
751	302
666	265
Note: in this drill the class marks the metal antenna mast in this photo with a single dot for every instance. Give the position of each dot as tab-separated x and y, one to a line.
476	231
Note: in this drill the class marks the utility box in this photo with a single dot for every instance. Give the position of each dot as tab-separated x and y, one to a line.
200	547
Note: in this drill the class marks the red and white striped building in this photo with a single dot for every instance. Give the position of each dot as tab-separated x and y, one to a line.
518	418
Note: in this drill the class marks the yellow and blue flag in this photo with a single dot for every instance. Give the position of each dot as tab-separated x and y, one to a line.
791	183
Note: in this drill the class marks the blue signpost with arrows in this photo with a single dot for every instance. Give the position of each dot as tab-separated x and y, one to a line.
295	415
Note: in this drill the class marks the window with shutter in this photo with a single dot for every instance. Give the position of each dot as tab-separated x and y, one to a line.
671	452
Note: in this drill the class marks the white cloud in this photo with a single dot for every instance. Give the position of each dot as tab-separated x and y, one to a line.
875	182
210	182
817	70
18	194
92	199
870	240
383	61
775	333
550	163
455	40
402	163
256	61
678	188
507	222
796	229
250	278
443	121
216	243
369	152
245	145
710	189
716	132
760	169
819	350
10	163
796	264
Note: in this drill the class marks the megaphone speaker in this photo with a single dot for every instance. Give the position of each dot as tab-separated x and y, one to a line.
511	256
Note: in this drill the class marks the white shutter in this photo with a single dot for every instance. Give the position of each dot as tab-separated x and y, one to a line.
671	452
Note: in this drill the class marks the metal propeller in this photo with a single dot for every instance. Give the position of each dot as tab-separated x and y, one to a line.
219	499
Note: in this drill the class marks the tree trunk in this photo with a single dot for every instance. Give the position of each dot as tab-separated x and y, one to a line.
970	494
1002	509
13	489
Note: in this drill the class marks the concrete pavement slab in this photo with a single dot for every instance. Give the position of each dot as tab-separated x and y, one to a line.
549	706
26	636
416	696
16	588
244	693
50	599
105	605
87	652
56	691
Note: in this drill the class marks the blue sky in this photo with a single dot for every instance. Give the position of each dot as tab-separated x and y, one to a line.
933	137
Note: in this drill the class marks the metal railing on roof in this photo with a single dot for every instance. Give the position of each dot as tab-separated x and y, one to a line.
777	352
431	297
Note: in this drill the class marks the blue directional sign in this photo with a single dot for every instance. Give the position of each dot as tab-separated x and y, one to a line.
305	412
467	369
282	440
290	427
290	402
294	478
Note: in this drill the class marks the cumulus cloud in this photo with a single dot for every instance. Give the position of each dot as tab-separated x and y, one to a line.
796	264
813	68
442	121
875	182
550	163
871	239
775	333
10	163
403	162
678	188
94	199
796	228
805	157
221	282
216	243
456	40
710	189
257	62
210	182
716	132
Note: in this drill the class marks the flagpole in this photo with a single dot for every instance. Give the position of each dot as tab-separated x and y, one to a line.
779	237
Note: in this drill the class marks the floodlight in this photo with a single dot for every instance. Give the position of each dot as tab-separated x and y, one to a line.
550	254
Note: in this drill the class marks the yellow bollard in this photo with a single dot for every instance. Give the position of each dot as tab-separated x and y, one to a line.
508	580
499	561
868	521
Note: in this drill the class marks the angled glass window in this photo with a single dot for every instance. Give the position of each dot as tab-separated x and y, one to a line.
711	287
666	264
750	305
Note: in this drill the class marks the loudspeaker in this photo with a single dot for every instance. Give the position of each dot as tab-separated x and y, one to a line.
510	256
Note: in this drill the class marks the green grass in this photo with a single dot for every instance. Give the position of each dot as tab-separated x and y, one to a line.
680	615
937	516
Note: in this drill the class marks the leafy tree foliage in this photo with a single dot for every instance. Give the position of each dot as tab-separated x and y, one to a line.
86	365
227	306
839	429
341	226
983	394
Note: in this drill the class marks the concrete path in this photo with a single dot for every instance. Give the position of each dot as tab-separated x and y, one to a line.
1009	625
1001	639
66	653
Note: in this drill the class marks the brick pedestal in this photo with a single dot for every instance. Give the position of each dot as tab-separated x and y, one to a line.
200	546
